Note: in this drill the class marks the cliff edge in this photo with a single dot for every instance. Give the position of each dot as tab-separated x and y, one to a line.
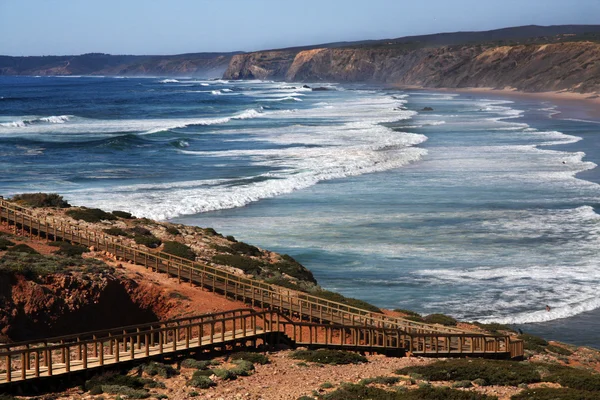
571	66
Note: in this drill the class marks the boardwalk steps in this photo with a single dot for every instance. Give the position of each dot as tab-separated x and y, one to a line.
328	324
87	351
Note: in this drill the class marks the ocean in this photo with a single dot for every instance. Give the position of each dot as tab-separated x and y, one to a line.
482	208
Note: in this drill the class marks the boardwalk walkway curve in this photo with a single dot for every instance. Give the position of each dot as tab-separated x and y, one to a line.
350	326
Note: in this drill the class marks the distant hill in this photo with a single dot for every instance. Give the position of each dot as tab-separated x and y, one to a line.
529	58
208	65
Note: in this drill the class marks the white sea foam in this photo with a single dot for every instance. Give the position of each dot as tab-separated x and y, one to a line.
169	81
28	121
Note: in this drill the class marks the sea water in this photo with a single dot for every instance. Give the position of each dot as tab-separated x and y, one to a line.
482	208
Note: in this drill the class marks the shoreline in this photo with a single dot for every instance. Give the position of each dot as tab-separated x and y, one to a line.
582	106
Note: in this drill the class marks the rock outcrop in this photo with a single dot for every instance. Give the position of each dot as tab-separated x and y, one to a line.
572	66
72	302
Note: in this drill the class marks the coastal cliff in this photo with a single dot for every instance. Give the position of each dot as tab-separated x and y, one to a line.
572	66
210	65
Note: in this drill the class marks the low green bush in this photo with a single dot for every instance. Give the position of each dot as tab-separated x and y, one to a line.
140	230
572	378
5	243
256	358
242	368
191	363
559	350
173	231
293	269
41	200
179	250
210	232
68	249
151	242
462	384
114	378
333	357
350	391
155	368
494	327
442	319
534	343
505	373
225	374
338	298
200	381
126	391
230	238
245	249
408	313
414	318
22	248
246	264
122	214
554	394
90	215
380	380
116	232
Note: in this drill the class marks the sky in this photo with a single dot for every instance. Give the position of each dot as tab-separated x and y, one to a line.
65	27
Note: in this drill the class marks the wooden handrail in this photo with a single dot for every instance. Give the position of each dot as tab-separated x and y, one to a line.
271	295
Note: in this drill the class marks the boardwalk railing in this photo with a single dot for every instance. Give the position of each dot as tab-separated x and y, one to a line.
251	291
73	353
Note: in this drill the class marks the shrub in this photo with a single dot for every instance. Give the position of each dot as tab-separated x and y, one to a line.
246	264
230	238
68	249
41	200
151	242
22	248
554	394
333	357
534	343
380	380
140	230
494	327
122	214
327	385
200	381
559	350
126	391
113	378
505	373
210	232
338	298
414	318
256	358
191	363
179	250
408	313
5	243
573	378
173	231
155	368
440	319
242	368
294	269
245	249
349	391
90	215
115	232
462	384
225	374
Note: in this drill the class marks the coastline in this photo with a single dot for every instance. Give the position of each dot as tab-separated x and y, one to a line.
584	106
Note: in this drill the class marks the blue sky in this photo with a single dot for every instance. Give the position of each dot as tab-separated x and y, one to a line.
43	27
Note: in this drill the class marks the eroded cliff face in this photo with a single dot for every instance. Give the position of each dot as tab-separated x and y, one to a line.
573	66
67	303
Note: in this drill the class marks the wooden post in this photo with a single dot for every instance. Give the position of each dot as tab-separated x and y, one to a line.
8	369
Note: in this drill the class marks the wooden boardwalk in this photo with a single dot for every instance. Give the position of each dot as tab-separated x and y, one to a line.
302	318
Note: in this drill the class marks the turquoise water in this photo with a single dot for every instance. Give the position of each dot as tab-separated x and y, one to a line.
484	209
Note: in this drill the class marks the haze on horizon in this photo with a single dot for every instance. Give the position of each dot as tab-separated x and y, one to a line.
70	27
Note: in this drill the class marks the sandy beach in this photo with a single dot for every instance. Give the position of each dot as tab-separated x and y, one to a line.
585	106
